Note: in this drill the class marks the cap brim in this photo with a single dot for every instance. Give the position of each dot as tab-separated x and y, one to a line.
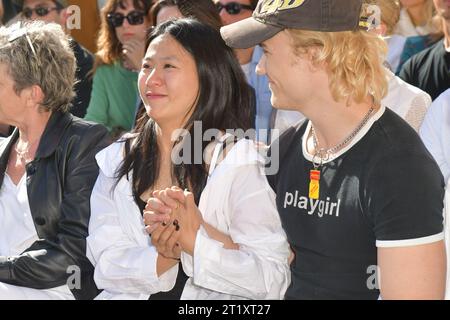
247	33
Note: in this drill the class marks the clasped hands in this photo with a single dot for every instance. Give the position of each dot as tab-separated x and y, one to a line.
172	219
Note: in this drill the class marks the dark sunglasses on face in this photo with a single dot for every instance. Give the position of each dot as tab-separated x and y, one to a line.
134	18
233	7
40	11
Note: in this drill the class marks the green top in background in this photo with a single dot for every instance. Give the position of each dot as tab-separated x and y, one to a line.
114	97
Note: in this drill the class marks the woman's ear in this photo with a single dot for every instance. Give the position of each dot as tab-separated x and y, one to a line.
34	96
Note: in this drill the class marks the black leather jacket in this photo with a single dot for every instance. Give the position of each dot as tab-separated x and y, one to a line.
59	184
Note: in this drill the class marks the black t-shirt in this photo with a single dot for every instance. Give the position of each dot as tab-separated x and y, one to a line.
429	70
383	190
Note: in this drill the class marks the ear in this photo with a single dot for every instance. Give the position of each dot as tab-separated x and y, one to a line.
34	96
64	15
380	30
383	29
312	55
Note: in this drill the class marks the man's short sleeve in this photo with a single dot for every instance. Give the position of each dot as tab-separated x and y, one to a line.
405	201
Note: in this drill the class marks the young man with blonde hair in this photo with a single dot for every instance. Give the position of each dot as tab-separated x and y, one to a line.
359	196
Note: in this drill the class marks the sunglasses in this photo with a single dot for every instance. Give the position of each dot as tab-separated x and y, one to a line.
233	8
40	11
134	18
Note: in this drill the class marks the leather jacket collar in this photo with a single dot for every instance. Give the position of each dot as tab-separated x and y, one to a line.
49	141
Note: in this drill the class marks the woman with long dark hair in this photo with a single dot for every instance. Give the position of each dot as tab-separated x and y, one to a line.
242	251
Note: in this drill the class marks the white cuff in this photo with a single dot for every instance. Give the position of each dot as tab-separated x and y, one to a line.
410	242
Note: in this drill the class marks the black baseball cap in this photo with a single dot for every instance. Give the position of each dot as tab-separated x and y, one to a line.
272	16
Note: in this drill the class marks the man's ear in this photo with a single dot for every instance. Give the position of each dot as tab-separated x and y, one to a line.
312	55
64	15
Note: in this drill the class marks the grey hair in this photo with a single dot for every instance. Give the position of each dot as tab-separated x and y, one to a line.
52	68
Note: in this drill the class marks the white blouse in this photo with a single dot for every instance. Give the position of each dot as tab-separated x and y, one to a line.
18	233
237	200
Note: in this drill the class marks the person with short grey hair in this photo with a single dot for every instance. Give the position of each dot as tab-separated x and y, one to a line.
47	168
58	11
51	63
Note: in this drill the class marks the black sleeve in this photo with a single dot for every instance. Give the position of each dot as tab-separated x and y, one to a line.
46	264
405	199
408	73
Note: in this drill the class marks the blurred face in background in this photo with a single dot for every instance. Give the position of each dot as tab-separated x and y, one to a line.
168	13
126	31
44	10
235	13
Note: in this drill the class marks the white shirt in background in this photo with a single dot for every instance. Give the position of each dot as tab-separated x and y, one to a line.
246	69
395	43
409	102
435	132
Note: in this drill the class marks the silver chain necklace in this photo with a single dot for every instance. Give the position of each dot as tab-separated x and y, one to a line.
324	154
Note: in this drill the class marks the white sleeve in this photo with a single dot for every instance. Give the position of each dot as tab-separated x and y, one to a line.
122	265
259	269
447	237
434	133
